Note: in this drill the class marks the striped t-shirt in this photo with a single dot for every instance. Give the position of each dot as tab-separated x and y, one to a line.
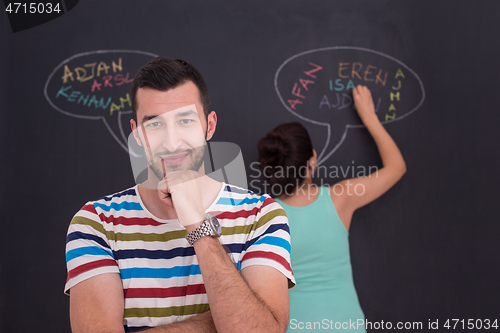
161	278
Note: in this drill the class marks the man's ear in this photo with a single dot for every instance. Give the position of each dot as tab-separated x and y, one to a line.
211	124
135	131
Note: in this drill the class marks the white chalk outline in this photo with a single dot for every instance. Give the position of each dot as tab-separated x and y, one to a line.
321	159
120	113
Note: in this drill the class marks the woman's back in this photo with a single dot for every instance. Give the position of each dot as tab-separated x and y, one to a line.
325	291
325	297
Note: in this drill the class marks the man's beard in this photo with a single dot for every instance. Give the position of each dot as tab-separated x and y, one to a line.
196	156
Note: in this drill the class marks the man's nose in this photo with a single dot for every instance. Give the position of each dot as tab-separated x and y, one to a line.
171	140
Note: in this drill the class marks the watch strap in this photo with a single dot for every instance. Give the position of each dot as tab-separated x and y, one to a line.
203	230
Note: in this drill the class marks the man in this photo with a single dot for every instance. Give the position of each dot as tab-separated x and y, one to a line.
151	258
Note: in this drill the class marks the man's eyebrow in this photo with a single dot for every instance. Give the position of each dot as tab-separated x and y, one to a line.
186	113
147	118
178	115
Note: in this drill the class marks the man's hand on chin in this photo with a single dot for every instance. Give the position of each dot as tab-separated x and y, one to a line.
181	190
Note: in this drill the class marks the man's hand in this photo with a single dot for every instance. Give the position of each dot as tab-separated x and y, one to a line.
181	190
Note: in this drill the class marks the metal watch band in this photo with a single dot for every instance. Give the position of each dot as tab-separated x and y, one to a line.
203	230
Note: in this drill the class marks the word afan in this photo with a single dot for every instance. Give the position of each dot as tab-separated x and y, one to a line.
304	82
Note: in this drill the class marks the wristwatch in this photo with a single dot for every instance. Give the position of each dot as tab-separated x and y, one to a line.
210	227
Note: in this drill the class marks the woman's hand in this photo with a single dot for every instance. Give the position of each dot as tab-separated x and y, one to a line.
364	103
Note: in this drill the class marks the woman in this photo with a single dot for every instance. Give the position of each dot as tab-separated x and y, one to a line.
325	297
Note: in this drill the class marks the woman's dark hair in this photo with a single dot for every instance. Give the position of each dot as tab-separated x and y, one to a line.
284	153
164	73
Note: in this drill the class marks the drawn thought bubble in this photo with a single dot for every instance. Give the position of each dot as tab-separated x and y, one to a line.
316	87
96	85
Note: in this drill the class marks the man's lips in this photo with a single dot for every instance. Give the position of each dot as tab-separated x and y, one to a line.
174	159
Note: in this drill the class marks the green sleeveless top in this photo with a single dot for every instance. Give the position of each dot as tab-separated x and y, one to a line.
324	297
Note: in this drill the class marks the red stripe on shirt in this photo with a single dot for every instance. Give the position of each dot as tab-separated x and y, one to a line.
89	208
123	220
165	292
239	214
268	255
90	266
245	213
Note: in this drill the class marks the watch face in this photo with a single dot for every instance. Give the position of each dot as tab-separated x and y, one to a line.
216	225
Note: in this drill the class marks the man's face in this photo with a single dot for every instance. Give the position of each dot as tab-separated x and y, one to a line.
172	128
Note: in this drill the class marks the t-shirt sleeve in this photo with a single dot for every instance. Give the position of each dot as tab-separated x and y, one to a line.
88	252
270	240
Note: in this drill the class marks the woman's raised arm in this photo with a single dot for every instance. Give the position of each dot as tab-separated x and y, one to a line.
357	192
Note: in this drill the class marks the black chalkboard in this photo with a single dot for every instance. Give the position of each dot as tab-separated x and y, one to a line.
427	250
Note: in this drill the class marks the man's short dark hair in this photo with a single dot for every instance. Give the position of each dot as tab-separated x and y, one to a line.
164	73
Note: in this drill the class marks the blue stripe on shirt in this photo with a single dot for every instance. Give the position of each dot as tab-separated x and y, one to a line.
276	241
239	247
119	206
270	230
159	273
237	202
87	250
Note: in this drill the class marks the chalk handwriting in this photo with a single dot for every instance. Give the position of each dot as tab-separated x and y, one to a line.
317	88
96	85
296	90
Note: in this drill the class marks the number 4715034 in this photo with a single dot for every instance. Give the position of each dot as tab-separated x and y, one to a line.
32	8
471	324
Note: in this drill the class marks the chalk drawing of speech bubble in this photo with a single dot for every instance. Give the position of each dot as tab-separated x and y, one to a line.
316	86
96	85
